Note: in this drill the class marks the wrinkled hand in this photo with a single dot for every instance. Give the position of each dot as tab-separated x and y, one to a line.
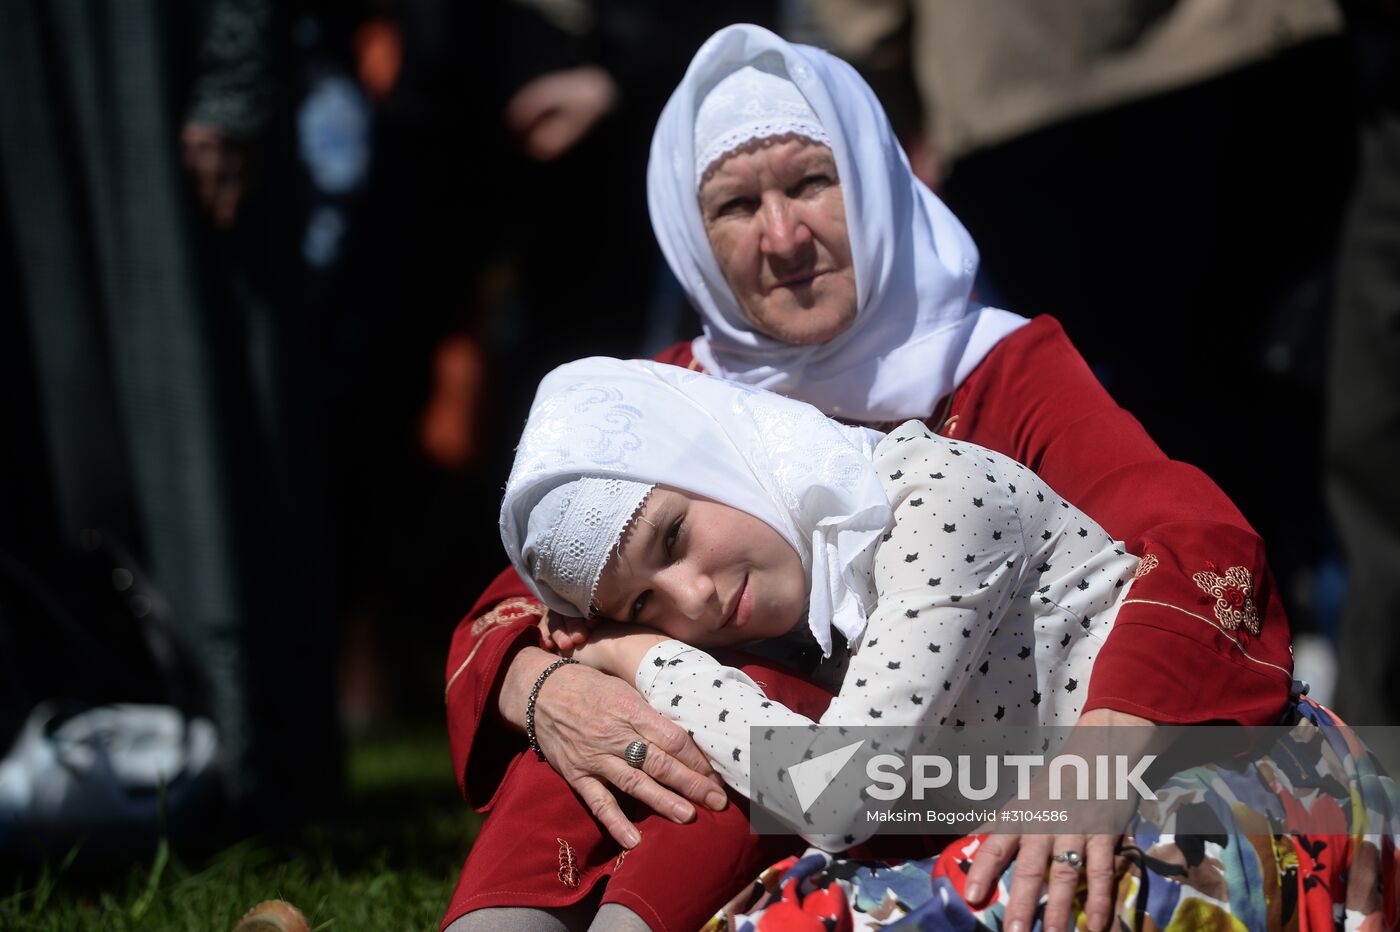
551	113
1034	853
561	634
584	721
221	168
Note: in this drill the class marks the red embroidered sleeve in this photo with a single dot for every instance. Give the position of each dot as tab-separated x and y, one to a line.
1202	635
503	620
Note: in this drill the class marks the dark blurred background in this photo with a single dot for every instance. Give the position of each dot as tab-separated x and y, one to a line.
278	280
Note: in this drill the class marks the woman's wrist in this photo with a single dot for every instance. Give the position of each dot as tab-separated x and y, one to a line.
517	681
1131	734
533	698
1112	717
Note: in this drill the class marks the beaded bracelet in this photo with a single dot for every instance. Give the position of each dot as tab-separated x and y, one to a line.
530	704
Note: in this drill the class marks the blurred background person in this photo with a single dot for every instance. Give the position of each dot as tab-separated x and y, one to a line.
395	260
1363	401
160	430
586	82
502	231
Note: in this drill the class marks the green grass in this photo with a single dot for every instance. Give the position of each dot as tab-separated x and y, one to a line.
389	864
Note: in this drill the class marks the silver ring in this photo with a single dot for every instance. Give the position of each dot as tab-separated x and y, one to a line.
1073	858
636	754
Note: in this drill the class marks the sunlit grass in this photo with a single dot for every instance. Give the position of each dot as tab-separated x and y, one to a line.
389	864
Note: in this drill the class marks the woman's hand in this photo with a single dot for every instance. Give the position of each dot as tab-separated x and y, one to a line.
584	721
1035	852
1032	854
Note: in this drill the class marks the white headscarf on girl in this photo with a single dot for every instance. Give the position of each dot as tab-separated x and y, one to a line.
915	336
629	425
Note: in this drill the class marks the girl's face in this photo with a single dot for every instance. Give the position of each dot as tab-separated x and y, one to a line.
704	573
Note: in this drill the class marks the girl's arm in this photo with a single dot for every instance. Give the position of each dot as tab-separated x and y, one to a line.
938	590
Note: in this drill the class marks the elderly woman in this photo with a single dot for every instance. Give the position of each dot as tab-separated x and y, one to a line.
824	270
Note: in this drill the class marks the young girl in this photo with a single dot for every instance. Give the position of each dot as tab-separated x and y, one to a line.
714	514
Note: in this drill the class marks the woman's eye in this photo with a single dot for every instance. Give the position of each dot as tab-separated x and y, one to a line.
737	205
810	184
639	604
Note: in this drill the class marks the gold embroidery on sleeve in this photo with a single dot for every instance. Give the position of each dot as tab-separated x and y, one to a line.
1234	597
1147	564
508	610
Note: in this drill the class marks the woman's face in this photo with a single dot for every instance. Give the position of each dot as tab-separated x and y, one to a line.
777	224
704	573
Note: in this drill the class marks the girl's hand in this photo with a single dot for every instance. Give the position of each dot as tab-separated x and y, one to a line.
617	649
561	634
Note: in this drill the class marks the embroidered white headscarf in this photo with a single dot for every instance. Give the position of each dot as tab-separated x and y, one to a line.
782	461
572	533
750	104
915	336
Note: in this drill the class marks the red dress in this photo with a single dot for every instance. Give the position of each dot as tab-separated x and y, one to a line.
1202	637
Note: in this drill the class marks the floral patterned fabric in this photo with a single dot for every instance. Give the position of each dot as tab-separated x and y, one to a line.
1340	873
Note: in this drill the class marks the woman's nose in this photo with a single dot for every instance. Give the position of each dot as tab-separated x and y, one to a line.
784	232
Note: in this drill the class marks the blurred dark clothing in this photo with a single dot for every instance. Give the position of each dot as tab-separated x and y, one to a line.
994	70
645	46
420	234
1363	409
1186	242
168	404
460	235
1177	212
589	263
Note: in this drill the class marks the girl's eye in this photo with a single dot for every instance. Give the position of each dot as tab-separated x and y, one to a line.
673	534
639	604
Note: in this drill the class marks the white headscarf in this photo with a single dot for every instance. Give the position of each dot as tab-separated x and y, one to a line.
782	461
572	532
750	104
915	336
